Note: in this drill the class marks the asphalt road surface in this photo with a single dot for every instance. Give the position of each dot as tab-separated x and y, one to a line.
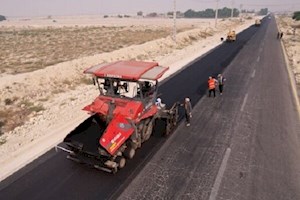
242	145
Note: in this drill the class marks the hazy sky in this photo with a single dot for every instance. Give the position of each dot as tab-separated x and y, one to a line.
75	7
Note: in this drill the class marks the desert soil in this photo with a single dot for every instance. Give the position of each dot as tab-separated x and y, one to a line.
291	41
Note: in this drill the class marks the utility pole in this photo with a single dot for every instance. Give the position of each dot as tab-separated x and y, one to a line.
232	2
241	6
216	13
174	21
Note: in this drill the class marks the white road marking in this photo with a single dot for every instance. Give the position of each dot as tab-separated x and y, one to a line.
215	189
244	102
258	59
253	74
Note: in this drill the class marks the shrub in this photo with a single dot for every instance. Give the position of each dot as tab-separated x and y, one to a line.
8	101
37	108
2	141
2	18
296	15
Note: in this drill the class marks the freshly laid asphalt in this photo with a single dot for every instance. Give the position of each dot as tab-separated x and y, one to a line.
255	121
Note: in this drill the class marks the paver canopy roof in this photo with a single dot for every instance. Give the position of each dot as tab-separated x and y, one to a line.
130	70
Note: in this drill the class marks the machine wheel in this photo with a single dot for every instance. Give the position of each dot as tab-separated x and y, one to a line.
133	145
168	128
149	129
121	162
129	152
114	170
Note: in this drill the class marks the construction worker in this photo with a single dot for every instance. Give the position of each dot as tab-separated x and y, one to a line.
212	86
221	80
281	34
188	110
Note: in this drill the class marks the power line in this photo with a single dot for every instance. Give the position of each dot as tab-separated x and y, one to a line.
174	21
232	2
216	13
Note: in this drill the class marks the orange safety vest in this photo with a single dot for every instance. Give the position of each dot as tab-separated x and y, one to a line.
211	84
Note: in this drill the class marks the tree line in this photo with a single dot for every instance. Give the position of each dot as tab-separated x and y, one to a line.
207	13
2	18
210	13
263	11
296	15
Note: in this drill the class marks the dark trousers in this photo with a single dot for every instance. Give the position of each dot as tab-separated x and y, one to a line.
212	90
221	88
187	118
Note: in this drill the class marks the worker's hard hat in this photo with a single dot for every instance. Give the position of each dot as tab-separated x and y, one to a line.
219	75
187	99
210	77
158	100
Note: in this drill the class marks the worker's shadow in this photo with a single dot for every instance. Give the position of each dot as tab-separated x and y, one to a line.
202	90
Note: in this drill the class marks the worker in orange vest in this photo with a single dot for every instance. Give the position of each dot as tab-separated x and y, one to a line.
212	86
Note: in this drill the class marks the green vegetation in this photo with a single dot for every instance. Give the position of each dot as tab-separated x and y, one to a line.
2	141
7	124
296	15
210	13
26	103
2	18
44	99
37	108
2	123
85	80
8	101
30	107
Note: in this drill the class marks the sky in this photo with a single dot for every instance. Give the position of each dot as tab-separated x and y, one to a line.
14	8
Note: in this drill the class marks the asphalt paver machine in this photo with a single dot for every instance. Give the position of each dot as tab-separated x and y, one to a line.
122	116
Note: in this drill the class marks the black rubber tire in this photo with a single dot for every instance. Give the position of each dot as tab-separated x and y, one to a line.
129	152
149	129
133	145
121	162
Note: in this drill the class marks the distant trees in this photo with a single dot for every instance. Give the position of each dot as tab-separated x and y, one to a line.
178	14
296	15
2	18
263	11
226	12
140	13
207	13
153	14
248	11
210	13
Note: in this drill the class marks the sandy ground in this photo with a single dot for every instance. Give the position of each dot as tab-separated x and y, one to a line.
291	41
62	110
61	21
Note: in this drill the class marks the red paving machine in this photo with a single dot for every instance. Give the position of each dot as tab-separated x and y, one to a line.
122	116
